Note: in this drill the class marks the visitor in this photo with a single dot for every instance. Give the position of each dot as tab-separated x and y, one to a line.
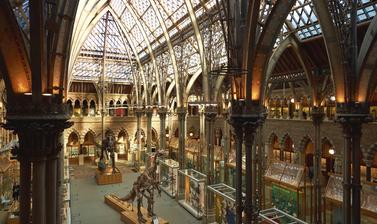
15	191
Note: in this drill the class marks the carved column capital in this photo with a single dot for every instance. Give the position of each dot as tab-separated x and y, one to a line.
38	137
210	113
181	111
318	114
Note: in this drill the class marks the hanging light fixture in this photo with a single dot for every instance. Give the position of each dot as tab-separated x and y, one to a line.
331	151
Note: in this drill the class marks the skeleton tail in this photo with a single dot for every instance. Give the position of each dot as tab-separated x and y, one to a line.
130	197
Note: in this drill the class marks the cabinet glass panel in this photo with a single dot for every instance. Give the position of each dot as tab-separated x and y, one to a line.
168	171
224	203
191	191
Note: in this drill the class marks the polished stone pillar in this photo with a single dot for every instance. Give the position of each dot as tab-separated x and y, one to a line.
25	187
51	189
238	132
317	116
181	111
210	118
352	116
162	113
39	191
149	113
249	129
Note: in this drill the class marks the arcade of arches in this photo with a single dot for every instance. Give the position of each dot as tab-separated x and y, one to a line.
265	111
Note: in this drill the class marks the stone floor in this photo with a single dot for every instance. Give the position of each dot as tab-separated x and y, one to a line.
87	199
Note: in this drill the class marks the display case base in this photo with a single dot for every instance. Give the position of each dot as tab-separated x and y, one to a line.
190	209
129	212
168	192
108	177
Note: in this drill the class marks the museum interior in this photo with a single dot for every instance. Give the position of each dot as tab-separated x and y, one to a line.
188	111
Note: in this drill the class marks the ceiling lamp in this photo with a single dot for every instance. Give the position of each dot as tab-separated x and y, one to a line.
292	100
332	98
331	151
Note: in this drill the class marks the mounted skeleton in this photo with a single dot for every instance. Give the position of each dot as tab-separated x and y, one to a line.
107	147
144	186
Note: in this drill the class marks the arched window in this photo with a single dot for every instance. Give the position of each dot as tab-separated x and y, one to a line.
119	110
85	108
92	108
77	108
70	107
111	108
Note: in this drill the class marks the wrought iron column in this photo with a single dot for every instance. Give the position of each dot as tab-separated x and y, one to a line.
181	111
162	112
317	116
149	113
226	137
139	113
210	113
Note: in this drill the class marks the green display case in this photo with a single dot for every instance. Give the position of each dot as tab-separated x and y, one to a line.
287	189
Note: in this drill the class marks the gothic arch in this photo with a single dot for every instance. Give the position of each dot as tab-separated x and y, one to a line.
303	143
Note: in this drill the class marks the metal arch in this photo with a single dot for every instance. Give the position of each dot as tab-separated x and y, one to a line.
137	21
62	44
333	49
366	63
171	52
13	55
192	81
170	89
132	46
266	42
290	41
82	35
200	42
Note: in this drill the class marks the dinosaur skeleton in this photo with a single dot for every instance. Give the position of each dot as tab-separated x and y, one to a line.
144	186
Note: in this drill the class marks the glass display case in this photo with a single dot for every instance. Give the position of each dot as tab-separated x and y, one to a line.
287	189
334	199
224	200
191	191
276	216
168	170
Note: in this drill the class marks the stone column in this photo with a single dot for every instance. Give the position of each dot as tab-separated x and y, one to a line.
238	131
162	113
25	186
261	165
317	116
181	111
149	113
351	116
38	146
38	193
249	128
60	182
210	117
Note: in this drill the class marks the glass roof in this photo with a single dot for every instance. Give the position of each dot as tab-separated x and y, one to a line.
140	22
106	41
